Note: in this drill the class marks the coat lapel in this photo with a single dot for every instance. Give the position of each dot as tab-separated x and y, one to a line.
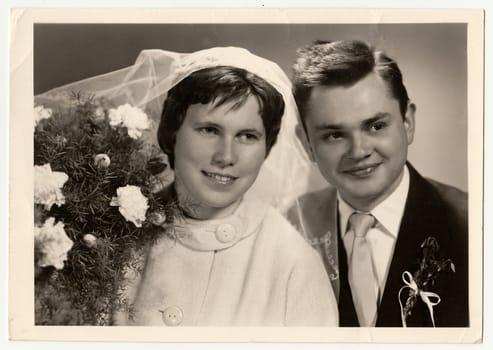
315	216
347	311
423	217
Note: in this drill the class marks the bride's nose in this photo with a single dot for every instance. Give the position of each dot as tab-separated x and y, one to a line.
225	153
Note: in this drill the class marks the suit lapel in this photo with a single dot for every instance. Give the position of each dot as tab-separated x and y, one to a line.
347	311
422	218
323	220
315	215
331	246
321	224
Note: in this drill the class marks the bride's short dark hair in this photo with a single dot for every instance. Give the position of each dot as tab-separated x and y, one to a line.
220	85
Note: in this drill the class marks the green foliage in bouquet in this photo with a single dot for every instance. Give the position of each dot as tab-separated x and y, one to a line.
106	204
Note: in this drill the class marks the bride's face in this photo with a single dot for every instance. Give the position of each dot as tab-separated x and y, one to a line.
218	155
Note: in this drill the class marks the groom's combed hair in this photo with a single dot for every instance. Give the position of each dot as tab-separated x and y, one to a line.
219	85
343	63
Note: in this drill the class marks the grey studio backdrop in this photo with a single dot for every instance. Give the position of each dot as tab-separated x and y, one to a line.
432	57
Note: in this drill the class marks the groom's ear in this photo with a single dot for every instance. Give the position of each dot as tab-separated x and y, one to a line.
303	137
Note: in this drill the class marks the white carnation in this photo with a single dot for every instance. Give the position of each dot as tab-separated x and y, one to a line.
132	204
41	113
102	160
133	118
90	240
52	244
48	186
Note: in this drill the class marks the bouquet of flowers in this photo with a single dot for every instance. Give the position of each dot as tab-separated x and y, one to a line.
96	200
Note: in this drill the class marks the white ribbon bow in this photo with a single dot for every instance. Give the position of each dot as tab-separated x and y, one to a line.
425	296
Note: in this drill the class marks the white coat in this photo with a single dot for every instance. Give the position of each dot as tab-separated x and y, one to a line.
249	269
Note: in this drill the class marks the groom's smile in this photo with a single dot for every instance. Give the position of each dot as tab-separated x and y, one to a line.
361	171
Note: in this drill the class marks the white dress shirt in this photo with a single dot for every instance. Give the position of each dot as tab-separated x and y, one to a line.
382	237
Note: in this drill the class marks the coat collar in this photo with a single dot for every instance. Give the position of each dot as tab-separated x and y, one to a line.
218	234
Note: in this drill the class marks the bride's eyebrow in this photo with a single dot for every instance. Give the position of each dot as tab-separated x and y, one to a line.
252	131
206	123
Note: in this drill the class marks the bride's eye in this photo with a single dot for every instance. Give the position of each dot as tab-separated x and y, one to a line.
248	137
208	130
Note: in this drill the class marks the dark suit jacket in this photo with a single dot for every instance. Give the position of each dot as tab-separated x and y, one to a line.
432	209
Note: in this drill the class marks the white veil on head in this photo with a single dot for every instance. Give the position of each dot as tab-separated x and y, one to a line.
145	84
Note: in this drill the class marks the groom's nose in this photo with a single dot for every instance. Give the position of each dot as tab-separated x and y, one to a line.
359	146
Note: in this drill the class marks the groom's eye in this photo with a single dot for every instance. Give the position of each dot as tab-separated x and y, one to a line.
332	136
378	126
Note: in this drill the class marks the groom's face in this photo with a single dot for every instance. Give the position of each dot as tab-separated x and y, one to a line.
359	139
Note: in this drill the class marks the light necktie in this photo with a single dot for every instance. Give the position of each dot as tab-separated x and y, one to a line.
361	276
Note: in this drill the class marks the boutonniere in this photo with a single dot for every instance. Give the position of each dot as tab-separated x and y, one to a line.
419	283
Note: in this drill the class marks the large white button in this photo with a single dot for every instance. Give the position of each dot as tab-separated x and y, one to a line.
172	316
225	233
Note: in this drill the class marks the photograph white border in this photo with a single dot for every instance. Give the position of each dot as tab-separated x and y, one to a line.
21	315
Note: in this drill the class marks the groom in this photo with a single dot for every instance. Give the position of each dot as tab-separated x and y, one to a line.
394	243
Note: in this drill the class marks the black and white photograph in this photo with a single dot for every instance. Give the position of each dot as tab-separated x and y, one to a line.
186	175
